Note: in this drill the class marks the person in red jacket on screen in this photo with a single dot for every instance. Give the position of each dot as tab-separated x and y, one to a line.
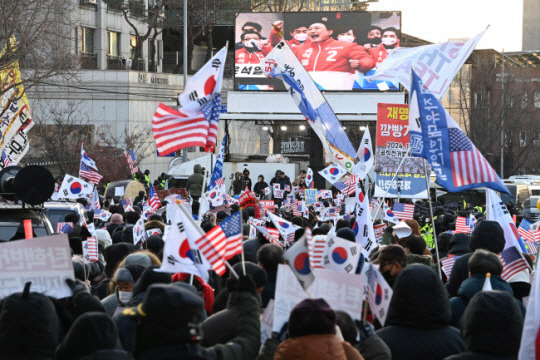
254	49
299	35
389	41
330	62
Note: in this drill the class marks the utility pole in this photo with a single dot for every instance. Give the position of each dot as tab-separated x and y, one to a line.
502	115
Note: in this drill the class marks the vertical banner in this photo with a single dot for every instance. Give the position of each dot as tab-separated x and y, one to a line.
392	145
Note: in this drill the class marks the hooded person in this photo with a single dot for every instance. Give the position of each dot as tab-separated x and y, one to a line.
418	322
491	327
487	235
202	287
392	259
166	325
149	277
222	325
459	244
93	336
195	182
116	220
480	263
312	334
29	327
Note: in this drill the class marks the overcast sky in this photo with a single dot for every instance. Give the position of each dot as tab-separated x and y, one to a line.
438	20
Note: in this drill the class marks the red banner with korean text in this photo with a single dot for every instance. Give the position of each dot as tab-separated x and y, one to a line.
391	146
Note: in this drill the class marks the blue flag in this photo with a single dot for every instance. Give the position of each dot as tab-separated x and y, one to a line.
434	135
217	174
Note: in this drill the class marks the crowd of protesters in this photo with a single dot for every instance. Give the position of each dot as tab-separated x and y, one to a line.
122	308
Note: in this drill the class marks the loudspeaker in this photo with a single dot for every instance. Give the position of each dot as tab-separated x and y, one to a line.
34	184
7	176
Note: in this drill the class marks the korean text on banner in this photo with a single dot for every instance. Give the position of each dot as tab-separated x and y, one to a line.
391	146
343	291
45	261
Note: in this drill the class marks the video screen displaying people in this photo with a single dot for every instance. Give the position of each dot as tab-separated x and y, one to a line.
338	49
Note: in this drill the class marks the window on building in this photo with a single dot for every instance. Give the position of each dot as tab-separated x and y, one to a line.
87	40
536	140
132	45
524	100
537	99
522	138
113	43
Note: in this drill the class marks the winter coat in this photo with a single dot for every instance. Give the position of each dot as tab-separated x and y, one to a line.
259	187
220	327
460	273
374	348
195	181
91	334
468	289
238	186
252	246
316	347
418	322
491	327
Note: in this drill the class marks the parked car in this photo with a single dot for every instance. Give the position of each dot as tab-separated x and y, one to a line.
12	218
530	210
56	211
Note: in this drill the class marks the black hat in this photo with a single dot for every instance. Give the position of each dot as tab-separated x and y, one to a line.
347	234
169	315
312	316
488	235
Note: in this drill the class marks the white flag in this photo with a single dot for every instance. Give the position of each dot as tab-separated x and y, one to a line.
74	188
179	253
138	231
286	228
333	173
531	325
389	215
379	292
364	157
436	64
298	259
496	211
94	203
309	178
363	225
201	86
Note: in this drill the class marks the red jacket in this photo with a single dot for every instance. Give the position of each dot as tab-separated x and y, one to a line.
242	56
333	55
379	53
275	39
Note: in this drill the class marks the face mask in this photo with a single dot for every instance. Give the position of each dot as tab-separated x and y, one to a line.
253	45
347	38
389	41
300	37
375	41
125	296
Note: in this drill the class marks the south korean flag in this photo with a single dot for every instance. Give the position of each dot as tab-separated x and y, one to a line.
341	255
74	188
333	173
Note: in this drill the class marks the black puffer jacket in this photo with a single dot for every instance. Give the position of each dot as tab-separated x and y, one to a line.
92	336
29	327
491	327
417	326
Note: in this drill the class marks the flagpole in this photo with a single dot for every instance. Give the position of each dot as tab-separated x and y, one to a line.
205	183
242	232
432	220
374	214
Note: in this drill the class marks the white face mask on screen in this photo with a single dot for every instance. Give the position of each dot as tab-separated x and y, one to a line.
301	37
389	41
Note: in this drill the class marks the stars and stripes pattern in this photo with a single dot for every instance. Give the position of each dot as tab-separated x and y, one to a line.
211	113
64	227
5	159
153	199
220	182
90	250
85	159
316	246
222	242
468	164
513	262
297	208
174	130
448	264
532	246
525	230
347	187
403	211
132	161
87	173
464	224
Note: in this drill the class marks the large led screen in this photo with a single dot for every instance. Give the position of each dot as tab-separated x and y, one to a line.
338	49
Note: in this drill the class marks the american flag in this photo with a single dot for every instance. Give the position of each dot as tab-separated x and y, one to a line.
463	224
222	242
90	250
270	234
468	165
211	112
92	176
525	230
174	130
297	208
132	161
220	182
64	227
532	246
513	262
403	211
5	159
287	187
347	187
316	247
448	264
153	199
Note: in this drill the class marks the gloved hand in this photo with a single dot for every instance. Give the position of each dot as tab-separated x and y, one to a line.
77	287
364	329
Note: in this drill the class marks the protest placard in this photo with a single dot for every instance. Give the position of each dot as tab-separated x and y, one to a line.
268	205
379	231
342	291
266	321
45	261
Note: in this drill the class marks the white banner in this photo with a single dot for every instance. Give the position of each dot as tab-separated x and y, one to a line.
45	261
